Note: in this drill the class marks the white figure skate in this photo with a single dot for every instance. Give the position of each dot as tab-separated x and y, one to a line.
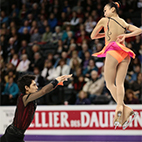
133	115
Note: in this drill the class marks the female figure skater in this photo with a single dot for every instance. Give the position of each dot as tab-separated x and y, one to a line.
26	106
117	58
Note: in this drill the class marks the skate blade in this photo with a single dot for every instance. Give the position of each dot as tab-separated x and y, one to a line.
127	123
116	124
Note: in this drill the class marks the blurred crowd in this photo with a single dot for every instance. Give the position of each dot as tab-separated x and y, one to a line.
49	38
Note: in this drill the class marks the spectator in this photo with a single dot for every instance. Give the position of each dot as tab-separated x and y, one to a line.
79	83
68	14
80	15
94	86
77	6
15	19
1	52
78	32
99	61
95	15
12	52
81	53
78	74
14	10
35	10
82	37
42	24
24	64
74	56
129	21
30	18
62	69
133	76
75	65
10	74
43	12
136	62
11	46
46	37
23	12
24	46
64	57
50	57
57	35
136	86
44	5
89	24
35	48
33	27
65	6
4	26
26	25
31	51
17	41
67	41
59	49
1	87
137	43
13	30
130	46
140	54
130	98
48	71
63	19
99	10
72	47
37	62
91	67
85	62
38	78
35	37
99	47
10	92
3	46
75	20
4	18
25	35
82	99
9	66
52	21
56	13
1	62
15	61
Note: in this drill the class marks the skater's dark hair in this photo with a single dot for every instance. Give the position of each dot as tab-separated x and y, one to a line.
116	5
23	81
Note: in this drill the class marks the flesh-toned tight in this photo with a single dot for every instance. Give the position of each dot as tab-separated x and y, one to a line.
115	74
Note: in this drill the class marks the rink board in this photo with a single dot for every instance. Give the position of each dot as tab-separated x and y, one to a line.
92	123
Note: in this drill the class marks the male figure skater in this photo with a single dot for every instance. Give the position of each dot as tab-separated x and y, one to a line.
26	106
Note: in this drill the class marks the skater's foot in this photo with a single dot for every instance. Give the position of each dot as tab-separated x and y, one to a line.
118	115
126	113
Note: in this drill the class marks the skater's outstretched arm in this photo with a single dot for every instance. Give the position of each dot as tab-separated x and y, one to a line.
46	89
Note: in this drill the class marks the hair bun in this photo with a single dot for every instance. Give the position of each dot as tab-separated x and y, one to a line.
118	5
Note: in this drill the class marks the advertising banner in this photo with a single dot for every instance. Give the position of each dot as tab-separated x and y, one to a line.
76	121
79	120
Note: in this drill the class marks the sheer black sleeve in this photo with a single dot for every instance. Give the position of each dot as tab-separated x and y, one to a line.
46	89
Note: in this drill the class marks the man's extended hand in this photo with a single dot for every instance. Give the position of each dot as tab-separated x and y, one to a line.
63	78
